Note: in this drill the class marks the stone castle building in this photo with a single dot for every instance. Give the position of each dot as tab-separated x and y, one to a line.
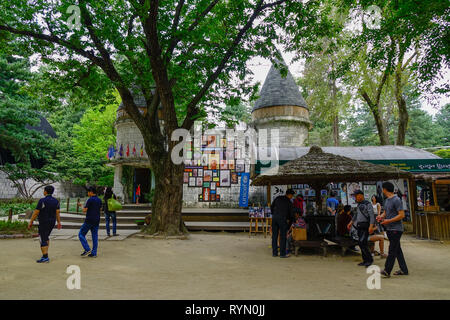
214	168
281	106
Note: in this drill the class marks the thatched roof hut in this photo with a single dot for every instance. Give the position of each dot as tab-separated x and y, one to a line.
318	167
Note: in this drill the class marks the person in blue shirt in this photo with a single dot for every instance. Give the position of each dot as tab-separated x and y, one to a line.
47	212
91	223
332	204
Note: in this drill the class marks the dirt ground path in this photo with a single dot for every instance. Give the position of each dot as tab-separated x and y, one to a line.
213	266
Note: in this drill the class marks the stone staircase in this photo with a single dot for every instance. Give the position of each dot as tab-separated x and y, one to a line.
196	219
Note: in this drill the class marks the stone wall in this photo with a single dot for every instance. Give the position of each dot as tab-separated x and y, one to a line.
128	134
118	187
291	133
62	189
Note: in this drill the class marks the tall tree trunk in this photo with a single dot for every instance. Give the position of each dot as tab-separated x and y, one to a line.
376	112
168	199
336	130
403	116
336	110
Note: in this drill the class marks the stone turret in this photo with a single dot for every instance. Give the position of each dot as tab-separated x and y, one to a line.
281	106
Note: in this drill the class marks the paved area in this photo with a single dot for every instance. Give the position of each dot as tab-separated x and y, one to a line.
72	234
214	266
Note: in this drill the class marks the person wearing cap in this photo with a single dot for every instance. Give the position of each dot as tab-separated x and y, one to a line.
282	211
364	221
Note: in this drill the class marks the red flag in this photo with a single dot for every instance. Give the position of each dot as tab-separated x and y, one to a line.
142	150
128	150
134	150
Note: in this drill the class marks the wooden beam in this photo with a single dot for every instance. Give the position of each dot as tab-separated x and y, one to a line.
433	186
442	181
412	201
268	195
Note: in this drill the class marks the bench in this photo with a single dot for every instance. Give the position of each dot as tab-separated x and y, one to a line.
310	244
344	243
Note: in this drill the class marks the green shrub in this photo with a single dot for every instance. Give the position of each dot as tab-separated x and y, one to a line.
11	227
18	205
443	153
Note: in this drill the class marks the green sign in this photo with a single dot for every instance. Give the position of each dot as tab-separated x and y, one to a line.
416	165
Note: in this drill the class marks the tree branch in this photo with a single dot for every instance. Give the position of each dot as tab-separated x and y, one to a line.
54	39
174	41
159	71
191	107
109	69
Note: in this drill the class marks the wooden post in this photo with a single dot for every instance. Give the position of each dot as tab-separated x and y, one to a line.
269	192
78	201
10	214
428	228
412	202
433	186
68	201
419	218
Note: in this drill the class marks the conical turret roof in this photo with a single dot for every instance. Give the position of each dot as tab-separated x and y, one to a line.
279	91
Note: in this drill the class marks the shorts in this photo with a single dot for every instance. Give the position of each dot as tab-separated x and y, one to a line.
45	228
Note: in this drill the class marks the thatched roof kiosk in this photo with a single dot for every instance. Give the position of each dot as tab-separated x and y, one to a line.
318	168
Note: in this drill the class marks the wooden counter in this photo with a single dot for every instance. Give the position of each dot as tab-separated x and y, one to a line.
433	225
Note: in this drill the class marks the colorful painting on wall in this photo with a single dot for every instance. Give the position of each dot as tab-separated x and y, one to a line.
207	176
225	178
213	164
234	178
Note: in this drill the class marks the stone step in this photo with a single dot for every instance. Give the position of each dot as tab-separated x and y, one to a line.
217	226
136	207
77	225
191	226
120	220
196	219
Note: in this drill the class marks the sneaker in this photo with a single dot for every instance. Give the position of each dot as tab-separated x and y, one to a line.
274	255
43	260
92	255
85	253
384	274
286	256
367	264
361	264
400	273
108	235
116	234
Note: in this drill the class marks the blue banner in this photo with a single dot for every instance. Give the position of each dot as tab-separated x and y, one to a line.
243	195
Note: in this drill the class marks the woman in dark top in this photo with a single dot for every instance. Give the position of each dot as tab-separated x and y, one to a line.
343	219
109	214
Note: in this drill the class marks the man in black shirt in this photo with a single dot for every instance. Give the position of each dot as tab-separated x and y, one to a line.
47	212
282	211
